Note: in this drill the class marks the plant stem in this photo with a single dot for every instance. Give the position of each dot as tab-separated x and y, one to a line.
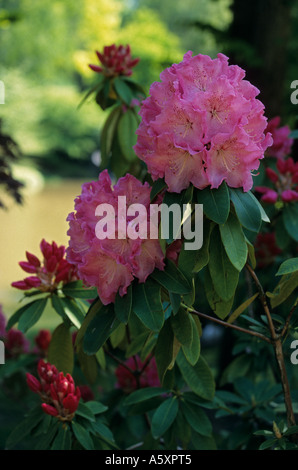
229	325
277	344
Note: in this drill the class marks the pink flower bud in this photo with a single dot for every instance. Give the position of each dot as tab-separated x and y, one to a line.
50	410
32	281
33	260
33	383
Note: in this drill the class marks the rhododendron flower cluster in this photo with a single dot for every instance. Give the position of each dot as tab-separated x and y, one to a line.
282	143
146	374
115	61
202	124
110	264
285	182
266	249
59	394
48	274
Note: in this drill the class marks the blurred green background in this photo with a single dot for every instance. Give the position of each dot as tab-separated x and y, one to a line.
45	51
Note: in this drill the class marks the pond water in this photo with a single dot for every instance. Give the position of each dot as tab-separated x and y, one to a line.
43	215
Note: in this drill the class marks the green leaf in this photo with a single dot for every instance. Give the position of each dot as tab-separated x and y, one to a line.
216	203
182	327
88	364
105	434
32	314
199	377
17	315
61	352
234	241
290	220
233	317
107	135
143	394
126	132
251	254
123	306
118	336
175	300
97	87
202	442
285	287
247	210
172	279
147	304
202	255
92	312
282	237
267	444
164	416
44	442
123	90
288	266
24	428
96	407
197	419
77	290
99	329
63	439
193	350
84	411
83	436
72	311
158	186
223	274
164	350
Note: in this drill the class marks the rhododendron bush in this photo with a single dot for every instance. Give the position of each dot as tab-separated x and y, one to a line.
130	364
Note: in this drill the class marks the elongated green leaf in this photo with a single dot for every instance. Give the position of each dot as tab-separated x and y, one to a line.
164	350
199	377
97	87
82	435
264	216
234	242
233	317
88	364
197	419
107	135
96	407
192	351
164	416
17	315
216	203
223	274
285	287
172	279
126	132
73	311
290	220
123	306
84	411
175	300
123	90
32	314
220	307
45	441
63	439
251	254
99	329
202	255
288	266
247	210
182	327
92	312
60	351
147	304
77	290
143	395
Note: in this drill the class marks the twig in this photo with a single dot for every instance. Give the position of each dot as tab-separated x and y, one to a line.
229	325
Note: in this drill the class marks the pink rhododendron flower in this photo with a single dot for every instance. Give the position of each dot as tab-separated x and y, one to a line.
282	143
285	182
115	60
110	264
202	124
48	274
148	377
58	392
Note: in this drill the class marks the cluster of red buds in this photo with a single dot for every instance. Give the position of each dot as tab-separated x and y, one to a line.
115	61
134	374
42	340
282	143
59	394
49	273
266	249
285	182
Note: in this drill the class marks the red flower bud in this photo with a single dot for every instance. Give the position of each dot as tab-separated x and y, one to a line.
27	267
33	383
50	410
71	403
33	260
